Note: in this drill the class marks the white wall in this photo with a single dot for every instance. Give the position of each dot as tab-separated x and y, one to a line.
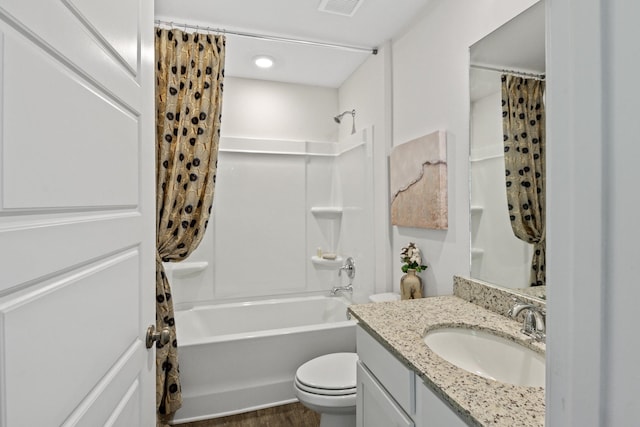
263	110
273	110
431	92
259	222
263	234
593	374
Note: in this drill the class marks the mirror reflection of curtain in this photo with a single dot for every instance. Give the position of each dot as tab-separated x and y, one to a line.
189	75
523	124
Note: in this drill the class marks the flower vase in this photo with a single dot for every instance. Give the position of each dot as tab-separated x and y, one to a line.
410	285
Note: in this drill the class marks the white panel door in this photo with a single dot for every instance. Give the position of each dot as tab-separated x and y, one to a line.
77	213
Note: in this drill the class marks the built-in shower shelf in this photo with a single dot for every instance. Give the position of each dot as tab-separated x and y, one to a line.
185	268
327	263
329	212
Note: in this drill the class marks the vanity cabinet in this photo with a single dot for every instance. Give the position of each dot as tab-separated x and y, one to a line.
392	395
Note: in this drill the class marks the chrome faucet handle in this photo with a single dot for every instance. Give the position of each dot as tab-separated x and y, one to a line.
517	307
350	267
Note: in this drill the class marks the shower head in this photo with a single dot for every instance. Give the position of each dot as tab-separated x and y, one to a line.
338	119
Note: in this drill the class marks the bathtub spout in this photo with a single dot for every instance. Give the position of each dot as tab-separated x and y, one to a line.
337	289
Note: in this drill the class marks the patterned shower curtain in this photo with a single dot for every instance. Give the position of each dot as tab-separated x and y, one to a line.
523	123
189	81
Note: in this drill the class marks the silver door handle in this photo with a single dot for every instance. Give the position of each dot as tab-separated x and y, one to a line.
162	337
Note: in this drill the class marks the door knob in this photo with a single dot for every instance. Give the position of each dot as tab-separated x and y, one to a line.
161	337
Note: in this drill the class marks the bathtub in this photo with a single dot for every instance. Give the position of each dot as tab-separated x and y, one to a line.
240	357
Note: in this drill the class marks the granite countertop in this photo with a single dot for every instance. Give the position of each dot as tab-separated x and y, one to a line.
400	327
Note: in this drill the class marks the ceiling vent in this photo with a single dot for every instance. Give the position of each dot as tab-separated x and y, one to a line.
340	7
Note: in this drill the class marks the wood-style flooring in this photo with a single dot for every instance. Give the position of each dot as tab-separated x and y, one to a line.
292	415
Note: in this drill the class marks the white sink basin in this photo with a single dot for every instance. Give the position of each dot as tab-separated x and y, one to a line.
488	355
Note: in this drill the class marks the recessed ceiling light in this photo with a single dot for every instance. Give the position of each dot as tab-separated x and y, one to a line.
263	61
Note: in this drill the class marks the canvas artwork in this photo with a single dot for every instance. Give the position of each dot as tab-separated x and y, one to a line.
418	182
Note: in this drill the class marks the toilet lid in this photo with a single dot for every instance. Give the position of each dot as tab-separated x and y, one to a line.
335	371
324	391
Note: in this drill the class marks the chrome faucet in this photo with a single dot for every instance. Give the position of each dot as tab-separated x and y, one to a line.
336	289
534	319
350	267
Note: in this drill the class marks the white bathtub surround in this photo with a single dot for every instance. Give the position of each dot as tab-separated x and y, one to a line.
239	357
184	269
283	200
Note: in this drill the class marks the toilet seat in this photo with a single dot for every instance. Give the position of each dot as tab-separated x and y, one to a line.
324	391
323	403
328	375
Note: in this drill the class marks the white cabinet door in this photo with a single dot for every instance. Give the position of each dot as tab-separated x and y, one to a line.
375	408
398	379
432	411
77	213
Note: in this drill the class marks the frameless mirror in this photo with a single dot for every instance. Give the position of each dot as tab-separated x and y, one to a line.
497	256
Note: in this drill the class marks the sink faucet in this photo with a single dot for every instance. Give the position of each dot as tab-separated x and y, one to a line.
350	267
534	319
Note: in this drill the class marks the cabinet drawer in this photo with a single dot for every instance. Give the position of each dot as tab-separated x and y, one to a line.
397	379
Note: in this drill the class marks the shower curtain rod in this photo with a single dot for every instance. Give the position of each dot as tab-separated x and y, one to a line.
514	72
372	50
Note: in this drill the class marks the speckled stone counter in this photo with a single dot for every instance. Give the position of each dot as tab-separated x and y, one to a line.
495	298
400	327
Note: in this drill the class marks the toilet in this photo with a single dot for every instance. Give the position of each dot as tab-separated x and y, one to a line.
327	385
